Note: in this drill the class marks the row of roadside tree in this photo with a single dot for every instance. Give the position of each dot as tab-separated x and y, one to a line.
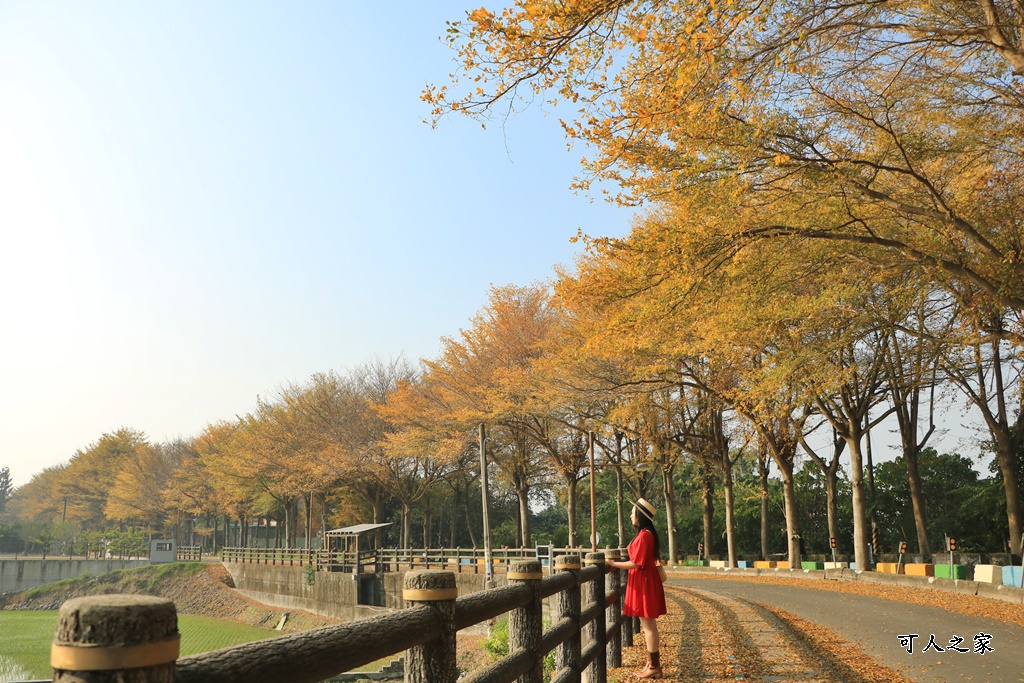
830	237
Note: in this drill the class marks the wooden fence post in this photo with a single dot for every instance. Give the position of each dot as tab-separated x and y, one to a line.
597	672
435	661
614	615
568	654
525	624
627	622
122	638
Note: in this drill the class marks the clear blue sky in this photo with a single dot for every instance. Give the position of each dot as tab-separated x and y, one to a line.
200	202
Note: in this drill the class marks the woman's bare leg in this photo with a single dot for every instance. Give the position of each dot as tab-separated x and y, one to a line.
651	637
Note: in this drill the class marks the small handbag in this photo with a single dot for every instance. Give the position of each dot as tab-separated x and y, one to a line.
662	574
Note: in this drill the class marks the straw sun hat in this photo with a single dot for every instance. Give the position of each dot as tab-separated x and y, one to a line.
646	508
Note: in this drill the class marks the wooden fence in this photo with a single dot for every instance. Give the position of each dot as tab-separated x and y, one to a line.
459	560
134	638
189	553
281	556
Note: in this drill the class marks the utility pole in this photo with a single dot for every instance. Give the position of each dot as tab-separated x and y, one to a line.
488	564
593	498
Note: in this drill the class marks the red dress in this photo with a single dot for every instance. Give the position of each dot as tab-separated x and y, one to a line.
645	595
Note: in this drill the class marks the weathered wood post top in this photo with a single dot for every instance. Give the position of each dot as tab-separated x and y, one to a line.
435	661
124	638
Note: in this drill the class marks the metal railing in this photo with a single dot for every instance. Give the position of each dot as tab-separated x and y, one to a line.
585	634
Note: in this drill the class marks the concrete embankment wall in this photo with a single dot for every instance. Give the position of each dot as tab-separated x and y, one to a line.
20	575
333	594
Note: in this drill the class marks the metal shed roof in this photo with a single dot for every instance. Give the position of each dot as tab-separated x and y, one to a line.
357	529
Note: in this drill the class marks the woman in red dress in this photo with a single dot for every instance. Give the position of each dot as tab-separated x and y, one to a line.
645	595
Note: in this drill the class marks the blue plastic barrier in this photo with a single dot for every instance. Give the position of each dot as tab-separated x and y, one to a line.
1011	576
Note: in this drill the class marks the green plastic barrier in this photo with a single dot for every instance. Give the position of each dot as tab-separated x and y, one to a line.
942	571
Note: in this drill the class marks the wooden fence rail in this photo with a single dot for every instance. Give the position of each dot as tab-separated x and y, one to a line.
188	553
280	556
459	560
94	633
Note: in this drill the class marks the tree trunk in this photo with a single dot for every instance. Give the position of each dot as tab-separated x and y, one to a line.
872	511
670	512
323	514
406	530
288	525
861	530
730	520
1011	488
917	499
762	470
378	512
524	516
832	501
570	508
469	526
453	540
792	521
619	508
309	521
708	507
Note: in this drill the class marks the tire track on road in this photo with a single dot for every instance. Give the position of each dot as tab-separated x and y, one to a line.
718	638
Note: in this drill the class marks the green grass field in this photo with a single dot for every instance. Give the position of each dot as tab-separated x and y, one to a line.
25	639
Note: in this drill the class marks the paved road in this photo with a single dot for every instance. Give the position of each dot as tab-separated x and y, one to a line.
876	624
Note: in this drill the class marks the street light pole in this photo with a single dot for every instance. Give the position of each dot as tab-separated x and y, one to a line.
593	498
489	568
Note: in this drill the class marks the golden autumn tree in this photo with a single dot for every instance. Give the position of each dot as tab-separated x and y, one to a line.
901	118
137	493
235	477
189	492
889	132
487	375
765	333
91	475
412	447
987	369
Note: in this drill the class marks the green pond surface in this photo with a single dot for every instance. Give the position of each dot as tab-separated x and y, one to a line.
25	639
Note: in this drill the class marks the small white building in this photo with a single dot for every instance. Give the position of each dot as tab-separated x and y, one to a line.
162	551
